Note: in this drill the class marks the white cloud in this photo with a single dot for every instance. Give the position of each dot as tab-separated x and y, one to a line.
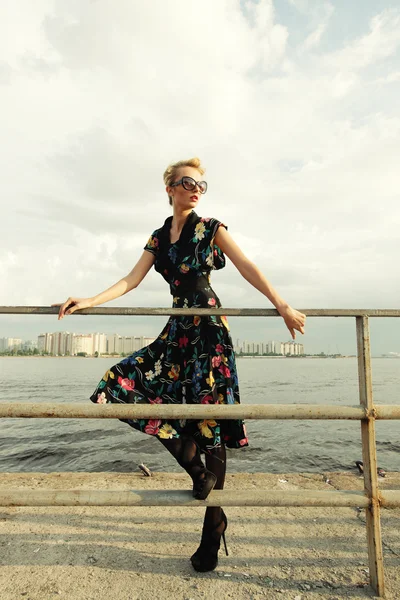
300	146
314	38
318	16
390	78
381	42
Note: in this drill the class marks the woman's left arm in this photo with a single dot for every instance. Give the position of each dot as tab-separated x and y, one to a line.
293	318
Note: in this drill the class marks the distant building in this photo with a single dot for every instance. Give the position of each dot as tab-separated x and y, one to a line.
293	349
64	343
114	344
127	345
44	342
60	343
99	343
82	343
132	344
10	344
289	348
29	345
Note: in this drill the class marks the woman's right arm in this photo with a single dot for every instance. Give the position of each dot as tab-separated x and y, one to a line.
123	286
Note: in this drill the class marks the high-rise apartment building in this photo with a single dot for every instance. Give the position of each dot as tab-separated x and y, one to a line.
133	344
99	343
64	343
44	342
289	348
9	344
114	344
82	343
29	345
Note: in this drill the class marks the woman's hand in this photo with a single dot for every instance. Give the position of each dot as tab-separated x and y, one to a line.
71	305
293	319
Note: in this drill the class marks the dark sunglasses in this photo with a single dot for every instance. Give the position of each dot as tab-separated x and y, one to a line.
189	184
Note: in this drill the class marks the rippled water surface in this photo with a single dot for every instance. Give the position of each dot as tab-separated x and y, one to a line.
275	446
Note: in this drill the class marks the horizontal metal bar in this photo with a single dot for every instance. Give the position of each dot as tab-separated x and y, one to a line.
80	497
229	312
390	498
386	411
178	411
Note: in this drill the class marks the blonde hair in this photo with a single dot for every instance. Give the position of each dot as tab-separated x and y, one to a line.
171	171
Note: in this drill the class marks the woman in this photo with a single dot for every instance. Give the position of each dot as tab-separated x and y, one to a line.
192	360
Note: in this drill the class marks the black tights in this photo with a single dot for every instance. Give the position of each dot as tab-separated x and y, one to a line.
184	450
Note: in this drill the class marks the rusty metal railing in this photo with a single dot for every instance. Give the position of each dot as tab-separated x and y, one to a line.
366	412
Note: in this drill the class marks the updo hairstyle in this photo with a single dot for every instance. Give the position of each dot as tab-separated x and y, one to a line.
171	172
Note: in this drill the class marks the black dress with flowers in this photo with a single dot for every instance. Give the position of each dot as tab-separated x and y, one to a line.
192	360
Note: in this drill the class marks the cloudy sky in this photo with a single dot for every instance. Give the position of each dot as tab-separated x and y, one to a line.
293	107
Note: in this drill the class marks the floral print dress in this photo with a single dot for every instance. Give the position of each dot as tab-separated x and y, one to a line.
192	360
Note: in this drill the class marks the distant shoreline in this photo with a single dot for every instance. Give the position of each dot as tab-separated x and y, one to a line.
237	356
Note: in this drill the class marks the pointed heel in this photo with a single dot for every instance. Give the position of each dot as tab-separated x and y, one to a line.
226	549
206	556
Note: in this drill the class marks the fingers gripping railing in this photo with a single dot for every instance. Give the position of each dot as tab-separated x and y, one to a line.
366	412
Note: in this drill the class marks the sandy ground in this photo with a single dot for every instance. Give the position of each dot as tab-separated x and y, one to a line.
119	553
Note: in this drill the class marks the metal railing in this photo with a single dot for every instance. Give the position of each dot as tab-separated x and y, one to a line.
366	412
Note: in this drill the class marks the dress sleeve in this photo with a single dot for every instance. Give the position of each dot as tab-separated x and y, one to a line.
153	243
214	225
214	257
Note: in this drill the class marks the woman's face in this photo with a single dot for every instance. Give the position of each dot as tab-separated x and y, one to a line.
184	199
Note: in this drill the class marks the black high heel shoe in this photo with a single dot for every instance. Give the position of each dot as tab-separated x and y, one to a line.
206	556
203	484
203	479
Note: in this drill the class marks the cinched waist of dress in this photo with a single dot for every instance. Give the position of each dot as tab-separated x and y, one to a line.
200	295
196	300
198	284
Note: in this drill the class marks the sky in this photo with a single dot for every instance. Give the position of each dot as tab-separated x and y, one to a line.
293	108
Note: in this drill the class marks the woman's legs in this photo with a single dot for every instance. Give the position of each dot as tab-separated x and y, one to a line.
206	556
216	463
186	452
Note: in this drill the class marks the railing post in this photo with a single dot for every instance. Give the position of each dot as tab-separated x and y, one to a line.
374	536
